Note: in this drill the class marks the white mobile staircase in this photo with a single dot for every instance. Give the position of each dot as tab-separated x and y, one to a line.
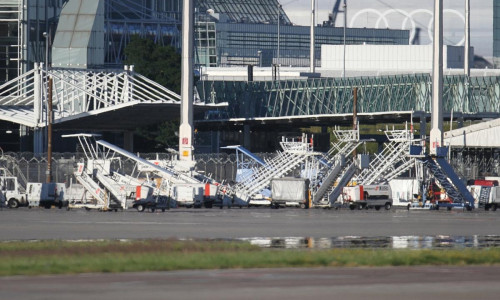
295	151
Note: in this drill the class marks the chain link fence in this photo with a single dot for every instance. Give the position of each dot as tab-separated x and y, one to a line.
30	168
222	167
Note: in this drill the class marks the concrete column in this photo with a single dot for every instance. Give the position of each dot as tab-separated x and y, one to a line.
423	126
246	137
128	141
38	138
215	141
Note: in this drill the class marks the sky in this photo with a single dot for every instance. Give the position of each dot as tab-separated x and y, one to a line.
366	13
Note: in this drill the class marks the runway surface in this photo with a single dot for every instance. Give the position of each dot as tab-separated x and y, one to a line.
310	283
29	224
257	224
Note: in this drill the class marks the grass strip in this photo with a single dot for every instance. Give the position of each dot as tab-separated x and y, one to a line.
58	257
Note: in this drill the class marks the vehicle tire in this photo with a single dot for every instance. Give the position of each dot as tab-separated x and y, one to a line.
408	207
162	210
13	203
448	208
377	207
140	208
352	207
387	206
302	205
87	208
47	206
468	207
437	207
494	207
486	207
153	209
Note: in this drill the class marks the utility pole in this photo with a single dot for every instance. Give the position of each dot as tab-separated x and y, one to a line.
436	135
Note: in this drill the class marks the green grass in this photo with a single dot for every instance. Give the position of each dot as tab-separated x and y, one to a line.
58	257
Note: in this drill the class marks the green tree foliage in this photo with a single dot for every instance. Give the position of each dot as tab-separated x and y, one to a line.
163	65
159	63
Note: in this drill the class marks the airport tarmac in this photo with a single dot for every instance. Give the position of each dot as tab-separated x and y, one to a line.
335	226
387	283
38	223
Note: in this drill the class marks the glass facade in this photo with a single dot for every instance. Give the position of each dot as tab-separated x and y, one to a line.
22	39
228	32
243	44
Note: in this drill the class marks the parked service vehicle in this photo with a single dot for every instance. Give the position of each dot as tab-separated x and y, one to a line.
14	196
368	196
188	194
46	194
36	194
290	191
486	193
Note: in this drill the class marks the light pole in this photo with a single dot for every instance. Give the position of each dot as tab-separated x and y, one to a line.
279	21
345	25
259	52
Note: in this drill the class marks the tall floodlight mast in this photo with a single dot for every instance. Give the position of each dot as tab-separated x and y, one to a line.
313	23
467	40
436	135
186	127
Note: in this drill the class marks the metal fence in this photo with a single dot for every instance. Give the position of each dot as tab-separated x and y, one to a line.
468	163
30	168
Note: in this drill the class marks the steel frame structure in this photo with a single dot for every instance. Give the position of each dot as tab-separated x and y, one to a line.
76	92
334	95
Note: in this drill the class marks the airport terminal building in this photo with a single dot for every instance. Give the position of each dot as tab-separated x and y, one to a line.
228	33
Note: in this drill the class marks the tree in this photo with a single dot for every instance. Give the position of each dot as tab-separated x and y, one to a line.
161	64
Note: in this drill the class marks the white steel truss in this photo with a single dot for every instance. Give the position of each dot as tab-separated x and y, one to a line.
394	159
76	93
295	151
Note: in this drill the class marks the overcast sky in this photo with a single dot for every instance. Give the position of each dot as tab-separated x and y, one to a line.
364	13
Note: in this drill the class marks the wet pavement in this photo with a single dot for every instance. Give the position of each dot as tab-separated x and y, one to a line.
397	228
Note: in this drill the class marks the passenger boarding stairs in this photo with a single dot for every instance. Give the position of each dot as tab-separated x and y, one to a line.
118	193
334	165
92	187
448	179
295	151
392	161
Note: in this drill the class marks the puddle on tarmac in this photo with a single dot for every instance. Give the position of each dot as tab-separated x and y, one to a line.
393	242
